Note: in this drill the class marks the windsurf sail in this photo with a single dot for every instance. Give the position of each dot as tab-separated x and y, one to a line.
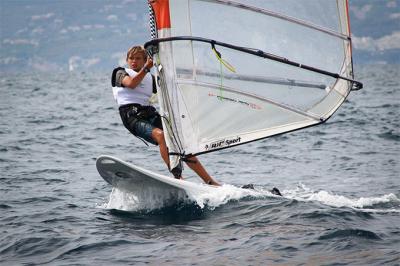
231	72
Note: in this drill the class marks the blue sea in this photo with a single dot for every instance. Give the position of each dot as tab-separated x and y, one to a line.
340	181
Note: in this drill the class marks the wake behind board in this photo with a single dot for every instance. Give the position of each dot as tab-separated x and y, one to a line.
144	183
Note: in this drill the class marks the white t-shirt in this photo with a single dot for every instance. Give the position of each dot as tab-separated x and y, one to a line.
141	94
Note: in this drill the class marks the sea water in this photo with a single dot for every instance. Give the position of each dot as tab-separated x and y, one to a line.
340	181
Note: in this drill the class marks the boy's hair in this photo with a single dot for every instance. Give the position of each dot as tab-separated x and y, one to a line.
135	50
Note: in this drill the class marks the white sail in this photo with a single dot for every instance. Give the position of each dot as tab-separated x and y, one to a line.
282	65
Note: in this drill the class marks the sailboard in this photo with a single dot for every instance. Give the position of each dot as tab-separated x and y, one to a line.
148	187
247	70
134	179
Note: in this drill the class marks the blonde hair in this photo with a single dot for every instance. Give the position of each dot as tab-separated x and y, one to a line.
135	50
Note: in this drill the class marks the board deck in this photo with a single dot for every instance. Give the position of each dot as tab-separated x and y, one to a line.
132	178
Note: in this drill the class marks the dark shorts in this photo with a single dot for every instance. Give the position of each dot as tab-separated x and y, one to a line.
140	120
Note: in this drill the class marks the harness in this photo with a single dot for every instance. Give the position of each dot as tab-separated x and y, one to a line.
137	111
132	113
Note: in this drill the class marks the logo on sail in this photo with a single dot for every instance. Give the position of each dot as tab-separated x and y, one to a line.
242	102
222	143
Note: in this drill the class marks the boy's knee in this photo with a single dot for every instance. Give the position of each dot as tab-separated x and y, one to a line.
158	135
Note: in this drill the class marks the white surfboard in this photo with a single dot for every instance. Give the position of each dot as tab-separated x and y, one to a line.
131	178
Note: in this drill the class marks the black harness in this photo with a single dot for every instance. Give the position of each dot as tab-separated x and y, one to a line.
137	111
133	113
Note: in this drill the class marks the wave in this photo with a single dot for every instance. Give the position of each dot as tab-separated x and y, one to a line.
155	199
386	203
350	233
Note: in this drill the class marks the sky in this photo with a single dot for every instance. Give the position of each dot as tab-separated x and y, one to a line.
73	35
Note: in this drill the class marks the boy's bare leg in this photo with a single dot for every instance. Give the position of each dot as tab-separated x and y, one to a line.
198	168
193	163
158	135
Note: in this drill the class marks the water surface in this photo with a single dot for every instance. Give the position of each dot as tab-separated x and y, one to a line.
340	181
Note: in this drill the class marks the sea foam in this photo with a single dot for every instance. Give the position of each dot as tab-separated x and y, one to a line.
303	193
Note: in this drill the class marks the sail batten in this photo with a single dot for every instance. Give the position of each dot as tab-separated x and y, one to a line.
271	80
248	70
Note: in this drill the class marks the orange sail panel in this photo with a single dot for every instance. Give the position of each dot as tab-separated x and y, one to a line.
161	11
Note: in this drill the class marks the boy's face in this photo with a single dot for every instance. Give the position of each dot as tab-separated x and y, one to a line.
136	61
